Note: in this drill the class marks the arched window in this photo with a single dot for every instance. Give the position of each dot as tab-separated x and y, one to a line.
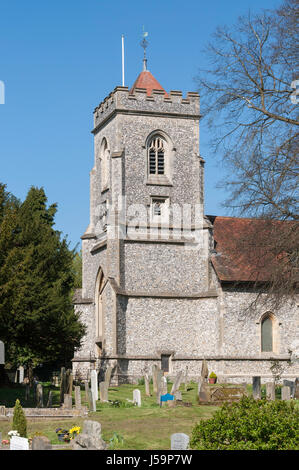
267	333
104	156
156	156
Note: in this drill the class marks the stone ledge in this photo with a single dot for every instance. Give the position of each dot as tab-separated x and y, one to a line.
50	412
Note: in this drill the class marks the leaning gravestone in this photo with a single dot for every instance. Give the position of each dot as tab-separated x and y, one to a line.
256	387
177	382
137	397
19	443
179	441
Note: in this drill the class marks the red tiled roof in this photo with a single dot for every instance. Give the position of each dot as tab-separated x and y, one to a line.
242	250
146	80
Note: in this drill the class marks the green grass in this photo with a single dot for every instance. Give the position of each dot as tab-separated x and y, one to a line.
147	427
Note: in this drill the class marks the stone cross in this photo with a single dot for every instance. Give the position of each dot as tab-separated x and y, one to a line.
256	387
179	441
137	397
94	384
270	391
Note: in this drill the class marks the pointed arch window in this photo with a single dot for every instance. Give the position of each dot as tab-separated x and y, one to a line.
156	156
267	334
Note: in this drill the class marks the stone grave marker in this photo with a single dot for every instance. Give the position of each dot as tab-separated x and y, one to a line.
41	443
256	387
94	383
179	441
19	443
2	353
39	396
285	393
21	374
291	384
68	401
78	397
50	398
177	382
86	384
204	370
2	410
296	392
155	382
108	375
90	438
178	395
62	384
163	385
69	382
137	397
270	391
203	391
91	401
186	379
147	385
103	391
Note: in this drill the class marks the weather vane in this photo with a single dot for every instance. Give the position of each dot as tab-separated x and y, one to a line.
144	44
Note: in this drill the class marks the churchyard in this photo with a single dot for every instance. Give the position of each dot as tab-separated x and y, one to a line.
142	416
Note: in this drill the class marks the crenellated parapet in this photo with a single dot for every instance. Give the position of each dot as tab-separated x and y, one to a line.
122	101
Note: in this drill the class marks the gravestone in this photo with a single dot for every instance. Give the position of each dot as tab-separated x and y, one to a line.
86	384
2	353
41	443
137	397
108	374
68	401
78	397
39	396
94	383
90	438
296	392
91	401
19	443
163	385
177	382
256	387
285	393
204	370
179	441
270	391
186	379
21	374
69	382
62	384
226	394
2	410
178	395
103	391
291	384
155	382
203	391
50	398
147	385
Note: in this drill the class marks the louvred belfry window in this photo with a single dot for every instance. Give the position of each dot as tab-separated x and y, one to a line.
156	156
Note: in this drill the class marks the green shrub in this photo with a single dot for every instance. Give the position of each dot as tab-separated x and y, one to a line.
249	425
19	422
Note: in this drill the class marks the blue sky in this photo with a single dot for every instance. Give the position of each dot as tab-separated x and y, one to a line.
58	61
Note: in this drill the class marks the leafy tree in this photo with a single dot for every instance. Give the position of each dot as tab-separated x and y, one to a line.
246	97
37	320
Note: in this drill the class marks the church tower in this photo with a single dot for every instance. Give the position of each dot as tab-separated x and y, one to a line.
147	289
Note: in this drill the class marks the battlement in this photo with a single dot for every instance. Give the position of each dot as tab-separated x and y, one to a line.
121	100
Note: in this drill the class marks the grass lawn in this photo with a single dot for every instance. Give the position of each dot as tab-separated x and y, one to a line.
148	427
